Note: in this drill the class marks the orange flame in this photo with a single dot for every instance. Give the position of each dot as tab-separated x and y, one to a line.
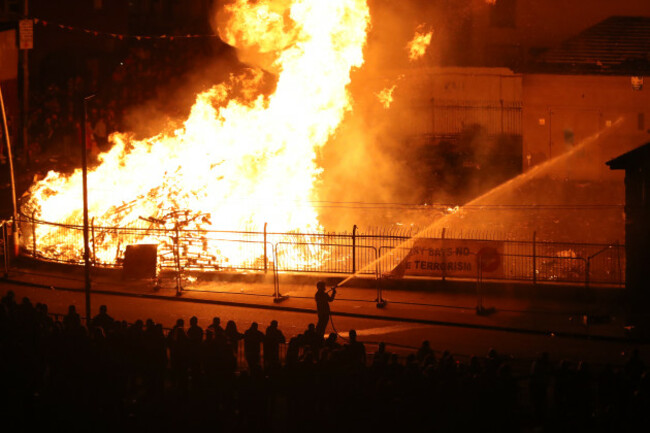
236	163
419	44
385	96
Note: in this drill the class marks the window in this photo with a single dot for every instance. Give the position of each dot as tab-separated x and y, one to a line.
502	13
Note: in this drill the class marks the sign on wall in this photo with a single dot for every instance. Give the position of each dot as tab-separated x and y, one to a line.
452	258
26	34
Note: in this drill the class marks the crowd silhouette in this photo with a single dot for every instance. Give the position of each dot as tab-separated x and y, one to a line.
61	373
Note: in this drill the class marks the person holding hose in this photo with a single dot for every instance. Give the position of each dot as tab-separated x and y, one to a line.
323	300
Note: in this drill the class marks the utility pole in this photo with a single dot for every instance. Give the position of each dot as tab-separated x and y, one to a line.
84	175
10	157
24	57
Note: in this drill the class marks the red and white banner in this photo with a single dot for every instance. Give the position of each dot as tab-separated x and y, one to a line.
452	258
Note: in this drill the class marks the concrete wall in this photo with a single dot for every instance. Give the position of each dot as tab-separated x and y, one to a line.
561	111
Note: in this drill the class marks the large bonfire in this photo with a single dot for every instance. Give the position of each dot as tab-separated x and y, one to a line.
237	162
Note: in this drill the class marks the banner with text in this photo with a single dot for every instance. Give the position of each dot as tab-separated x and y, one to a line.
452	258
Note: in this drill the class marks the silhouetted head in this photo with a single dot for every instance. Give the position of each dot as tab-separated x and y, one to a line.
180	323
216	321
103	309
320	286
311	327
274	323
72	309
254	325
353	335
194	321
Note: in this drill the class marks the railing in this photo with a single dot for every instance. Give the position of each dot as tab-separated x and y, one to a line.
5	246
340	253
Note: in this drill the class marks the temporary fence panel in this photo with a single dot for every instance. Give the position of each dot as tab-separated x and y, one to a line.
368	253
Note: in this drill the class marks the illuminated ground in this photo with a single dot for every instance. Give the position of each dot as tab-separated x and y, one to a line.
521	326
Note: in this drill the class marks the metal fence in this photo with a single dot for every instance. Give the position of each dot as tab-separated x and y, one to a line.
497	117
370	253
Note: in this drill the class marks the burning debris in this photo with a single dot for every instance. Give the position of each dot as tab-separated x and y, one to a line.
236	157
385	96
417	46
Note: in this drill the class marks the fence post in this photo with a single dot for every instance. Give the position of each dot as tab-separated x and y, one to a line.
501	102
354	249
5	248
266	259
479	294
534	257
33	234
620	272
444	258
92	234
179	286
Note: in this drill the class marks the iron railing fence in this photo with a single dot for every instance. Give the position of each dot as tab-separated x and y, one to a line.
373	252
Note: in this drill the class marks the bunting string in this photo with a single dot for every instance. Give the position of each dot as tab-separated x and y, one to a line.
48	23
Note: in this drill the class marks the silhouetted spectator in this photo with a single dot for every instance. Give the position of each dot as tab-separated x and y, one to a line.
355	351
381	357
311	339
103	320
178	353
72	320
272	340
293	350
424	351
216	328
331	342
195	339
233	336
253	339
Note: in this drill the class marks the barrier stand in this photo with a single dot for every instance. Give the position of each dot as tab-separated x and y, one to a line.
481	310
277	297
381	302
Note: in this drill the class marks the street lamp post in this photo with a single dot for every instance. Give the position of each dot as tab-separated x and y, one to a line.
84	175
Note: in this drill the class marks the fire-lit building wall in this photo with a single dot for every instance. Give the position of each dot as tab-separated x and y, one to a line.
462	126
445	101
560	111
